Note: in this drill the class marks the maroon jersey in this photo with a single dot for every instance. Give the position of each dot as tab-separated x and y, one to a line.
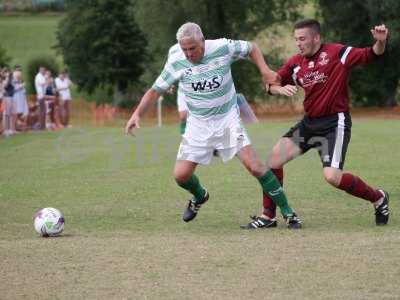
324	77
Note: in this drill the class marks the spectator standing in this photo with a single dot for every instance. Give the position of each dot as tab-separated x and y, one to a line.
40	86
19	97
63	88
10	112
50	99
2	79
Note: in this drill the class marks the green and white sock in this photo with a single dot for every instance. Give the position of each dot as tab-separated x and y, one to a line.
273	188
194	187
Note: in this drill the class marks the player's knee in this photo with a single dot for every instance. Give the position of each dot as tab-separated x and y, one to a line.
332	178
275	159
256	168
181	177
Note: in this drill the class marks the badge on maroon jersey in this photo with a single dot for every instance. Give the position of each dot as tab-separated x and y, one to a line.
323	58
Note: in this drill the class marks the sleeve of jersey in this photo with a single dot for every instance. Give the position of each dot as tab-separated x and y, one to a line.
351	57
239	49
286	74
166	79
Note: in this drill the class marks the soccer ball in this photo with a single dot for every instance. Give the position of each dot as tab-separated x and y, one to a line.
49	222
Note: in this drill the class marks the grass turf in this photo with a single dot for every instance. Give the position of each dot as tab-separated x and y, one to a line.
124	237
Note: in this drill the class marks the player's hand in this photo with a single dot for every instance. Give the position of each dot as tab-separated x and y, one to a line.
287	90
132	124
270	77
380	33
171	90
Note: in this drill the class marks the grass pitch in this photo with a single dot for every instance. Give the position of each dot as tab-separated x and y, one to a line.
28	36
124	238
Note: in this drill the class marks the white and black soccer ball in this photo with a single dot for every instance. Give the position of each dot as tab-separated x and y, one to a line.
49	222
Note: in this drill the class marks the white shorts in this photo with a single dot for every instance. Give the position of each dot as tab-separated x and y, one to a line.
202	137
181	101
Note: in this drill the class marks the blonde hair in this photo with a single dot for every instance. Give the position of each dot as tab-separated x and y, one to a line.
17	75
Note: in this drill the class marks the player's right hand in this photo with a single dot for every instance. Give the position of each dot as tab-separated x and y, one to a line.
288	90
132	124
270	77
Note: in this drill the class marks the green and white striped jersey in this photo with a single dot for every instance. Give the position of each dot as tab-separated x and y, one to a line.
207	85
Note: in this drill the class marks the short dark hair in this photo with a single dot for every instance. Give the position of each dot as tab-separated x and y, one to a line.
309	23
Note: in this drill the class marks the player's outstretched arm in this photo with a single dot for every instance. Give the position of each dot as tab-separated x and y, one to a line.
287	90
380	34
148	98
268	76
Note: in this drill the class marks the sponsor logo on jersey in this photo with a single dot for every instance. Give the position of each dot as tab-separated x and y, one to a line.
312	78
188	72
207	85
323	58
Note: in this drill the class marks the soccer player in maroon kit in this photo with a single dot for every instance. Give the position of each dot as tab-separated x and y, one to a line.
322	70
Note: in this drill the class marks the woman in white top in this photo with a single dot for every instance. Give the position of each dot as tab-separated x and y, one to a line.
19	98
63	88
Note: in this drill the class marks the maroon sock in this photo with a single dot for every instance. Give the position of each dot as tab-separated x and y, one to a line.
356	187
269	205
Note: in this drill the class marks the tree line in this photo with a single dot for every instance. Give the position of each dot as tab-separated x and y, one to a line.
114	49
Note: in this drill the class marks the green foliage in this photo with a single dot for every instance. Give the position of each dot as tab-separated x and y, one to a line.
375	84
102	46
49	62
236	19
4	58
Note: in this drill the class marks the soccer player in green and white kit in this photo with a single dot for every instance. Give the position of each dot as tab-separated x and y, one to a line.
203	69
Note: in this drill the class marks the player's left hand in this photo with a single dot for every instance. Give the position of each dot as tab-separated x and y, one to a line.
380	33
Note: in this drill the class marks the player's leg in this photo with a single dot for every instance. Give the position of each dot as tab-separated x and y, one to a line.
193	150
333	163
357	187
186	179
291	145
284	151
270	185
